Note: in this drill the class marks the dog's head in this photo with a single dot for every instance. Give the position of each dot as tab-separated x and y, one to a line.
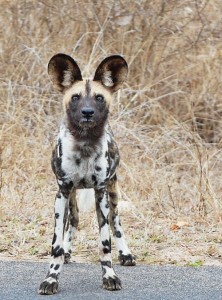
86	102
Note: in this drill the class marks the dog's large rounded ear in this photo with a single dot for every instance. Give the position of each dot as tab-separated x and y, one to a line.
63	71
112	72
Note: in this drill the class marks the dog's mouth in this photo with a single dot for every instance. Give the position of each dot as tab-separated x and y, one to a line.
87	122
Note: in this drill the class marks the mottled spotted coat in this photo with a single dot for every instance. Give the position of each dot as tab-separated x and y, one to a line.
86	156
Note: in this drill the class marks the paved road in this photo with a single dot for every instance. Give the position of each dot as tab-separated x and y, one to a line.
20	280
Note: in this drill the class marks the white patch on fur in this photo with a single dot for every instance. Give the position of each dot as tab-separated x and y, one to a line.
60	204
86	199
107	79
67	145
109	272
67	244
59	181
67	78
121	244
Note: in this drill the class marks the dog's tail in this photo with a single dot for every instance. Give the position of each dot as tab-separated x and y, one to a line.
86	199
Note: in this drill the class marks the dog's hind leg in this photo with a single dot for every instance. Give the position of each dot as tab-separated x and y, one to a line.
125	256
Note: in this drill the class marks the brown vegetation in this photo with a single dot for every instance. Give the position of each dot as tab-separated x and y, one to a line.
167	120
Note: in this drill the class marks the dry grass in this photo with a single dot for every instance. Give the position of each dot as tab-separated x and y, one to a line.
167	120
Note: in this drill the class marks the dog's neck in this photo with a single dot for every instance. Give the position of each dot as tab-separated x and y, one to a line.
86	137
86	133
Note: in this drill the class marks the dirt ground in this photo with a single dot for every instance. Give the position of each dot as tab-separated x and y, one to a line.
166	119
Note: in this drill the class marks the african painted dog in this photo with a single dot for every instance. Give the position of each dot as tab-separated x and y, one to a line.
86	156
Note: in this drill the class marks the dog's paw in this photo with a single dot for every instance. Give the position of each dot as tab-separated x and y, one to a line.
127	260
48	287
112	283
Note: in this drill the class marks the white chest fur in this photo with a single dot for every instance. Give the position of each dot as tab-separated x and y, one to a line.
85	165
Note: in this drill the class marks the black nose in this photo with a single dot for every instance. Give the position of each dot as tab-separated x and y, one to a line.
87	112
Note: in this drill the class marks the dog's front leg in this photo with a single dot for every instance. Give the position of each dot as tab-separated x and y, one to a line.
50	284
110	279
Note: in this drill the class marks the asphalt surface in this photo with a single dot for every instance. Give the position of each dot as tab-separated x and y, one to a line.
20	280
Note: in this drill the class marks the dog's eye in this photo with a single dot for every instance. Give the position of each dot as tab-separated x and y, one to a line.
99	98
75	97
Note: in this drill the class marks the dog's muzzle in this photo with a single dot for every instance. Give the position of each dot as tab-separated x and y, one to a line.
87	116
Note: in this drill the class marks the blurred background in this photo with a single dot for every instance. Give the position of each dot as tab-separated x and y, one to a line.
167	120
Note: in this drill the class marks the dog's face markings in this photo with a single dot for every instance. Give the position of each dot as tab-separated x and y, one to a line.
88	88
86	102
86	106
